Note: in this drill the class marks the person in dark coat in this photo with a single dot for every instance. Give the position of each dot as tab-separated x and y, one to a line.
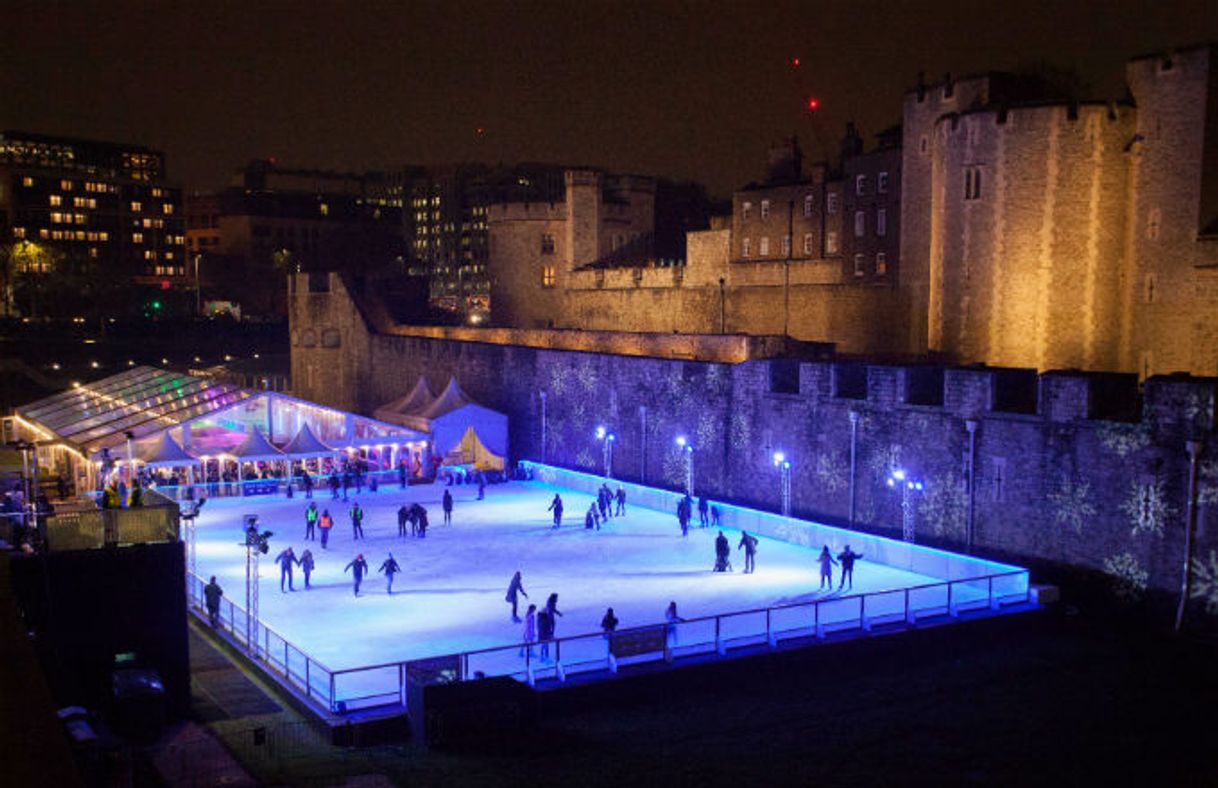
333	482
703	510
358	567
357	522
545	632
422	523
285	560
311	516
670	616
683	516
723	552
529	635
609	623
552	609
306	481
749	544
389	568
306	566
481	485
447	504
556	507
402	474
403	517
212	594
590	518
621	501
825	559
847	558
602	503
515	587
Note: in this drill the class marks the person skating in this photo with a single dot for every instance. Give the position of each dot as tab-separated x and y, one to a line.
481	485
670	616
358	567
683	515
306	566
346	484
716	518
556	507
403	518
825	559
703	510
553	611
530	630
357	522
306	481
847	558
212	594
389	568
422	523
447	504
590	518
723	552
621	501
333	482
402	474
749	544
545	632
311	516
515	587
324	524
602	503
285	560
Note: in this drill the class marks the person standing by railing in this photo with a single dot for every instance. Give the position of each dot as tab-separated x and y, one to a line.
530	630
670	616
212	594
609	623
847	558
545	632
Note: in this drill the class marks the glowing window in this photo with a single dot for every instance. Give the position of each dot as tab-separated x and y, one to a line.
765	211
746	210
744	248
860	224
56	199
807	205
547	276
136	207
858	265
831	203
763	246
807	243
881	263
831	242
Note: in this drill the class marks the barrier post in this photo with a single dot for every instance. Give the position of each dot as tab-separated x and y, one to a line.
770	637
951	608
910	618
720	643
308	681
331	698
863	622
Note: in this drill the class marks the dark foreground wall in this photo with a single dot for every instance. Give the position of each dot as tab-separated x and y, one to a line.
88	605
1069	468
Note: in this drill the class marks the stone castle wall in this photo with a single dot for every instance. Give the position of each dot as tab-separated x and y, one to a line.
1052	480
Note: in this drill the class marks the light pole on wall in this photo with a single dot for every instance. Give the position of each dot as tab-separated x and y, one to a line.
784	476
909	487
687	451
607	439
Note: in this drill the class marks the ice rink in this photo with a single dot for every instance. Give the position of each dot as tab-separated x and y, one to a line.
449	597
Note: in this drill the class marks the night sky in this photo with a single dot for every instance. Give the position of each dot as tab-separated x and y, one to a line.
686	90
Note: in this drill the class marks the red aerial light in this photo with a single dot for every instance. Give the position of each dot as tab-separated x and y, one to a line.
795	62
813	103
164	284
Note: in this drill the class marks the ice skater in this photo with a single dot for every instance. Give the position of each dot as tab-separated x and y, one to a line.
333	482
285	561
716	517
306	481
723	553
311	522
515	587
324	524
389	568
670	616
357	522
545	632
481	485
749	544
403	518
212	594
621	501
358	567
447	505
590	518
306	566
847	558
553	611
530	630
703	509
683	513
825	559
422	514
556	507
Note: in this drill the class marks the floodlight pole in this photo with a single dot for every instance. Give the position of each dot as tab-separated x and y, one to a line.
689	470
251	598
784	478
908	526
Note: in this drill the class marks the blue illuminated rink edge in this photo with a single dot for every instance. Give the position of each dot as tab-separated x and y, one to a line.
929	561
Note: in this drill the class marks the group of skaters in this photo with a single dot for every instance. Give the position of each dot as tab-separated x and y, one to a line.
607	504
708	514
723	552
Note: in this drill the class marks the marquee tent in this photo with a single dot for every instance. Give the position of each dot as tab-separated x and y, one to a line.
402	408
164	452
461	430
305	445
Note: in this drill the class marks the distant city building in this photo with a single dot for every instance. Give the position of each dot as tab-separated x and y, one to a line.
273	219
104	209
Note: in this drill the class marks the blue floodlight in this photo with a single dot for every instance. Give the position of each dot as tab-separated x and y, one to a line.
611	436
898	474
681	441
779	458
600	432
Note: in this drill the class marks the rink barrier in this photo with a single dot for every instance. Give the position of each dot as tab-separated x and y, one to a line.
816	620
275	485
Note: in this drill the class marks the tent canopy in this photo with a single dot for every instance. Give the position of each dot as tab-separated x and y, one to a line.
449	417
255	447
164	451
397	411
306	444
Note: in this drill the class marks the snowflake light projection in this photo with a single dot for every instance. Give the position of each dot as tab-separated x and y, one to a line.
1147	508
1129	579
741	431
1207	492
1071	504
945	505
1124	439
1205	582
831	472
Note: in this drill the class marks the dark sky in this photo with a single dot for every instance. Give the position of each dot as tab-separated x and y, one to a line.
683	89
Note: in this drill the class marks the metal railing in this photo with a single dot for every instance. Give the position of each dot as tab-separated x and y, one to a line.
275	485
277	654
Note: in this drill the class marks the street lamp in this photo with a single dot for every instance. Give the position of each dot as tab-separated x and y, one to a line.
784	475
687	452
607	438
909	488
255	544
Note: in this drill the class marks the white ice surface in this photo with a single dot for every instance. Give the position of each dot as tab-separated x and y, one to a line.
450	596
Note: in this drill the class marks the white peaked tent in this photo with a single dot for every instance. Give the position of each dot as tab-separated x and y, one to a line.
254	447
305	444
458	426
402	408
164	451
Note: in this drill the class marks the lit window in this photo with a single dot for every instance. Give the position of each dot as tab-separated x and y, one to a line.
81	218
167	208
763	246
57	217
807	205
860	184
149	254
785	246
858	265
807	243
80	235
65	186
744	248
324	208
137	238
93	252
746	210
547	276
103	236
881	263
831	242
27	181
831	202
169	255
881	183
860	224
18	232
881	222
765	211
136	207
56	199
44	233
158	192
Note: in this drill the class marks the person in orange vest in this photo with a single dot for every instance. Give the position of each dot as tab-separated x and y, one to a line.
324	524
